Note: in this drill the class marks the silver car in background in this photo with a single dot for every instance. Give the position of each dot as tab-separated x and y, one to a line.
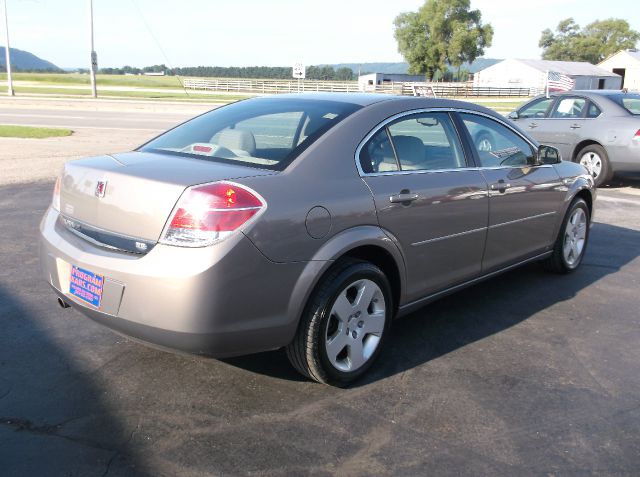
598	129
307	222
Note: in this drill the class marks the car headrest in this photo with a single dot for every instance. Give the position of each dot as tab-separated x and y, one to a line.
409	148
238	139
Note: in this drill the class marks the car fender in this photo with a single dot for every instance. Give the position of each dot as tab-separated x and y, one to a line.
574	186
336	247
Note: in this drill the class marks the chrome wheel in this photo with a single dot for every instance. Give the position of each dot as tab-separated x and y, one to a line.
484	144
575	235
593	162
355	325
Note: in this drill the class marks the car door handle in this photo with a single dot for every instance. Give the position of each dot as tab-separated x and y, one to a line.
575	126
500	185
533	125
403	197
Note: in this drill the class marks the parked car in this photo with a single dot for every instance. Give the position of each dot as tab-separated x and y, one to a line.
306	222
599	129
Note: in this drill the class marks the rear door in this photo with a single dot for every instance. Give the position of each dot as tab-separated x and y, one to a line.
524	197
566	122
428	197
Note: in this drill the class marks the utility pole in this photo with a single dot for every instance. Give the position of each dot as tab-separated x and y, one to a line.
7	51
94	56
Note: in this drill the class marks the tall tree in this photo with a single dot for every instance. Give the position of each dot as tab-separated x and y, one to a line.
441	32
593	43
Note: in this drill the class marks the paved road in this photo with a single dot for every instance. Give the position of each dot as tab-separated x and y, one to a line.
92	119
527	374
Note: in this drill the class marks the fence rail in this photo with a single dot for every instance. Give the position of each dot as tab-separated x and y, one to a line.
265	86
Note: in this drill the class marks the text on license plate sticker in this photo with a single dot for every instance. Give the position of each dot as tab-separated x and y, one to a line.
86	285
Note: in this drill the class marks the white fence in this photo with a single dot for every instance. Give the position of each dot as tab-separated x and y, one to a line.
266	86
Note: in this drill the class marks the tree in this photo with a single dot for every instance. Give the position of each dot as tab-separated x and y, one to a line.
441	32
593	43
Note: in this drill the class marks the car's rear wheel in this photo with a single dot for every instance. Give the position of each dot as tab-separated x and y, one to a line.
571	243
484	142
344	325
595	159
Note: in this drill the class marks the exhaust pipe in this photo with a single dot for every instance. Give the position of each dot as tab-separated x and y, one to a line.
62	303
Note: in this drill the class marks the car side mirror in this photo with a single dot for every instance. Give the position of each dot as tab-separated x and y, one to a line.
548	155
514	115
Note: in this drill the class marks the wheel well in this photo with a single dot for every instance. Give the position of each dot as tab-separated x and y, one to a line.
585	195
581	145
383	260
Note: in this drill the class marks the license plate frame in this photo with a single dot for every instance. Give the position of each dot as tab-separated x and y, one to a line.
86	286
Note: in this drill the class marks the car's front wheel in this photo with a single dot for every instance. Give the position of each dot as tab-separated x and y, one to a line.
571	243
344	325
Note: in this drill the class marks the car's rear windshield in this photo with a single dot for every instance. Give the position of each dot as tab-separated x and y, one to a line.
267	133
630	102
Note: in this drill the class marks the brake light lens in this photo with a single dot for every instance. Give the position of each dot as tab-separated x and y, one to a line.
55	202
209	213
637	136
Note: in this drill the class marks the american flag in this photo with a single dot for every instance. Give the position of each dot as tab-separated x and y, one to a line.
559	82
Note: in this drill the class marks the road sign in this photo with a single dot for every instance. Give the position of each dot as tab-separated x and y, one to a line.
299	70
94	61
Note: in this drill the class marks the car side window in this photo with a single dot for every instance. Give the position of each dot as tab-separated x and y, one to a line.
377	154
572	108
426	141
593	111
536	109
496	144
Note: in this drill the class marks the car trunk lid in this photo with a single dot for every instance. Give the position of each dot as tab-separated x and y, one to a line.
133	194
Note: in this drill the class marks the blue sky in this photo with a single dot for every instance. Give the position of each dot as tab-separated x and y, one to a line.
267	32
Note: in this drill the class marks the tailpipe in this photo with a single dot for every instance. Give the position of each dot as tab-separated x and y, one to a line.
62	303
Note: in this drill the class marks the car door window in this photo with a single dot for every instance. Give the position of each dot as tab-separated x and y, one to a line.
426	141
536	109
569	108
377	154
593	111
496	144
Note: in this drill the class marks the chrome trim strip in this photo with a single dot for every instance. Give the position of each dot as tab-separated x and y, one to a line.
546	214
409	307
390	119
445	237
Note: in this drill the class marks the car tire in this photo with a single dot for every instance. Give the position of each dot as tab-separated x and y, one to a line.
339	337
484	142
571	243
594	157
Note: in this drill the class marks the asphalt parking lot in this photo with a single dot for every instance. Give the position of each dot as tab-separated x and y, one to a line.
526	374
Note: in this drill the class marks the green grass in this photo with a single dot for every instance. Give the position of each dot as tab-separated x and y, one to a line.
105	80
33	132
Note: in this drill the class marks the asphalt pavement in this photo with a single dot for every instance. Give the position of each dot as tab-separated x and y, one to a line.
527	374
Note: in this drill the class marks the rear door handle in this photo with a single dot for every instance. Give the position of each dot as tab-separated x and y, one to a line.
533	125
403	197
575	126
500	185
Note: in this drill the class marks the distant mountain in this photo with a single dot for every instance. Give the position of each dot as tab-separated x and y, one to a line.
402	68
23	60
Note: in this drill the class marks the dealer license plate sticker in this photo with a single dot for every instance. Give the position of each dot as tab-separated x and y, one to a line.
86	285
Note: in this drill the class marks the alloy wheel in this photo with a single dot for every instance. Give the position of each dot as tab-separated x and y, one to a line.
593	162
575	237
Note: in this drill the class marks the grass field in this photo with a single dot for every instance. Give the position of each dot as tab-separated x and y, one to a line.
33	132
105	80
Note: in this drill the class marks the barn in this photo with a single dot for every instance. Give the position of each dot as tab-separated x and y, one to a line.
532	74
626	63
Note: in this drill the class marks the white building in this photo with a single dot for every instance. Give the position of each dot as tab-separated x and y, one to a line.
370	81
532	74
626	63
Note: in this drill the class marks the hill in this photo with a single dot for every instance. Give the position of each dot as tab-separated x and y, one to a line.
25	61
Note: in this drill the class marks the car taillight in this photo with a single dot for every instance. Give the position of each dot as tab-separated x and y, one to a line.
637	136
208	213
55	201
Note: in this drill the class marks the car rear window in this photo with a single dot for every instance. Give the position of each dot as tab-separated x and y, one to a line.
267	133
630	102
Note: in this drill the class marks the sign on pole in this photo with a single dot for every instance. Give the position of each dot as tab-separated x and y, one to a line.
299	70
94	61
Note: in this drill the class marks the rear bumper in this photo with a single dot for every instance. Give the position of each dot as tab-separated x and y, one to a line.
223	300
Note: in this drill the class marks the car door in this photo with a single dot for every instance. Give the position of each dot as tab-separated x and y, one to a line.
532	117
565	123
524	196
428	197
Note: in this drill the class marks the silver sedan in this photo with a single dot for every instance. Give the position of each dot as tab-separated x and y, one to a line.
307	222
598	129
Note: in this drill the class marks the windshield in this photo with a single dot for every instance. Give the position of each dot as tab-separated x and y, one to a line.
267	133
630	102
